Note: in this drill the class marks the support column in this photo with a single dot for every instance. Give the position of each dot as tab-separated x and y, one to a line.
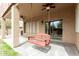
3	28
15	16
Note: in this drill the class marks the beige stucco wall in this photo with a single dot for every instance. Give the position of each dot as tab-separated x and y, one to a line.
77	40
77	25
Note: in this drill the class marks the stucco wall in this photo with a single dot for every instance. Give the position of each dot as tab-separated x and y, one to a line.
77	25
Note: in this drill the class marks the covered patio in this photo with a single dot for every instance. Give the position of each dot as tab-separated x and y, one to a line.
33	22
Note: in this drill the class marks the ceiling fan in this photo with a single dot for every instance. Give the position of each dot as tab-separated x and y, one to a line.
48	6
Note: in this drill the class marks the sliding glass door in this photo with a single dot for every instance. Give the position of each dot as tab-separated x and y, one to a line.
54	28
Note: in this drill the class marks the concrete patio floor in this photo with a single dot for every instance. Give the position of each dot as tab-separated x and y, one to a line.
26	49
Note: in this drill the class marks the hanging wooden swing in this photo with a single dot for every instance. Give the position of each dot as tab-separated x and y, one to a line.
40	39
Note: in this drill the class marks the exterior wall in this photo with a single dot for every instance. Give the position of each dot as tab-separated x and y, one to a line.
77	40
68	17
77	25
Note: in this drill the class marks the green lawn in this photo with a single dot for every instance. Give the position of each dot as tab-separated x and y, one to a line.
6	50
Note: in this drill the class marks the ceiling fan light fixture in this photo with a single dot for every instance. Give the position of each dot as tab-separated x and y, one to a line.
48	8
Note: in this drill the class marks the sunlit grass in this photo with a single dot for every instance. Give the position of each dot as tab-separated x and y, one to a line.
6	50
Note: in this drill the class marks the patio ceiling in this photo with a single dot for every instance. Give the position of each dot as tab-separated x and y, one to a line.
25	9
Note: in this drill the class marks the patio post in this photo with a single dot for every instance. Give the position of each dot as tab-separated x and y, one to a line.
3	28
15	25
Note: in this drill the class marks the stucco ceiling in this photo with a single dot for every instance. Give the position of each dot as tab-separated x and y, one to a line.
26	10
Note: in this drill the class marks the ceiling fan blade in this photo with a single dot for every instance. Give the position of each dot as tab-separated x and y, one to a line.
48	6
52	6
44	5
43	8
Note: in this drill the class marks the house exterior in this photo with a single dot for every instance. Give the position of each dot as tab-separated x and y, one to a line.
36	23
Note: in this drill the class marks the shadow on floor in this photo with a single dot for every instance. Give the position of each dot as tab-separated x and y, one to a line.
71	49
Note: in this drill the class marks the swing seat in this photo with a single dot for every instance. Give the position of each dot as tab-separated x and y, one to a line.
40	39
